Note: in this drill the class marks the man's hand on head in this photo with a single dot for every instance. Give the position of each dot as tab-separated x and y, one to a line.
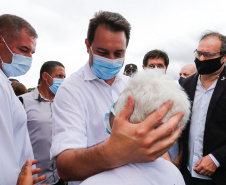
128	143
142	142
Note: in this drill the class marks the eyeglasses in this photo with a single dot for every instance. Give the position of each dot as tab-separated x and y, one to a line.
205	54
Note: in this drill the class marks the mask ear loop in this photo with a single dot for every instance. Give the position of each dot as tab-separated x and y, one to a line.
7	45
47	81
91	50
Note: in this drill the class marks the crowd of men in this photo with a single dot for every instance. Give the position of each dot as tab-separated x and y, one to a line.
59	126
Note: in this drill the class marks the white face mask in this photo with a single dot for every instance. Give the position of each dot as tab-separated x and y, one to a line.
159	70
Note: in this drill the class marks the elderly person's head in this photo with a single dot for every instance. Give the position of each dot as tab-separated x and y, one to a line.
150	90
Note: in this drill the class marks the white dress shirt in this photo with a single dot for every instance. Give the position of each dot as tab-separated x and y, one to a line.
197	128
14	138
79	108
158	172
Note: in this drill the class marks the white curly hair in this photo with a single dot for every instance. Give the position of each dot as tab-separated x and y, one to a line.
150	89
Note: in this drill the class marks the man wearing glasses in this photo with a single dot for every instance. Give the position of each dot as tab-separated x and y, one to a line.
204	139
157	60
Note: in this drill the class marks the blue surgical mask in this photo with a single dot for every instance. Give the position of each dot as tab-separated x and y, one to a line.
19	66
106	68
56	84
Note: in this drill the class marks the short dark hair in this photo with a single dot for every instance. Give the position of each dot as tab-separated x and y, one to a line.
12	25
49	67
109	20
156	54
18	88
219	36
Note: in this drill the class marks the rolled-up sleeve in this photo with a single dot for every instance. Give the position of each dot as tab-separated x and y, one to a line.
69	124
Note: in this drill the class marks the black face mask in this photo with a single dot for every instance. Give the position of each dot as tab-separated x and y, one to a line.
208	66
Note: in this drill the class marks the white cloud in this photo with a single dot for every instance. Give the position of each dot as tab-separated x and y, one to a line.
174	26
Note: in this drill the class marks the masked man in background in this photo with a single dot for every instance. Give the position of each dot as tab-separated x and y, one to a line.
38	106
204	139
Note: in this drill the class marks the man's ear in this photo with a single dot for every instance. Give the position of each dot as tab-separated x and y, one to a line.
45	76
143	66
2	45
224	58
87	45
1	41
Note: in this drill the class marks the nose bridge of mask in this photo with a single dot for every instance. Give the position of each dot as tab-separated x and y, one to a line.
7	45
54	79
106	60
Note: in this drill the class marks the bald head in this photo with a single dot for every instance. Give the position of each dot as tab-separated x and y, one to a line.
187	70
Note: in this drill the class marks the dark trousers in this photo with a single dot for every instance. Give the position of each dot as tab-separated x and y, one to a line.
61	182
189	180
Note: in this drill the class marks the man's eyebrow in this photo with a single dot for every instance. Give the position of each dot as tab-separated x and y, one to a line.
119	50
102	49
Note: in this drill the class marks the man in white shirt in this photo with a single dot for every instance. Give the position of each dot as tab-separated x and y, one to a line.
80	144
17	44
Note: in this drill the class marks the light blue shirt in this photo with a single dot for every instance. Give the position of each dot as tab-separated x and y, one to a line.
197	128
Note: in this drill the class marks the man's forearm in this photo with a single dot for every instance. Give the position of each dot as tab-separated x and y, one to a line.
128	143
79	164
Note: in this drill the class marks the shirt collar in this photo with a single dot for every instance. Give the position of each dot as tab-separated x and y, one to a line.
88	73
37	96
4	76
211	87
